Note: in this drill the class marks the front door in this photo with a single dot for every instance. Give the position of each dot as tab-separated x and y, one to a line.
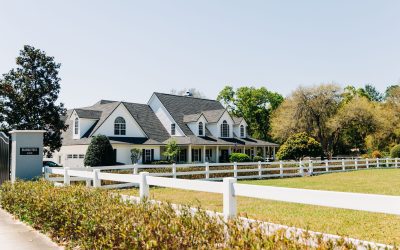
224	156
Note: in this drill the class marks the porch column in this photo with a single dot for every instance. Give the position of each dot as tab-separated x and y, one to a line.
273	152
269	152
217	155
254	151
204	153
244	149
189	159
230	150
264	153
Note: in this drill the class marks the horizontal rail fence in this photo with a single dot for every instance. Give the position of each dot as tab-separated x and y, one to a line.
230	190
250	170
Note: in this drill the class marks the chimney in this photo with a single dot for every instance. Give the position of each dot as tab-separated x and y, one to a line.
188	93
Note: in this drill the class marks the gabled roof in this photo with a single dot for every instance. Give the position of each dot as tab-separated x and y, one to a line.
142	113
214	115
237	120
179	106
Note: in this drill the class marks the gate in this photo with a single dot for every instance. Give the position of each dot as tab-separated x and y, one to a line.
4	158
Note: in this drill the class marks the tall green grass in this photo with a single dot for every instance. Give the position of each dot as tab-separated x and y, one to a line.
94	219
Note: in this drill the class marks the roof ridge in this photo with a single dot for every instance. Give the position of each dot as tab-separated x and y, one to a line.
192	97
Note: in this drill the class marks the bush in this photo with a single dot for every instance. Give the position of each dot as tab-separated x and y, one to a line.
376	154
258	158
161	162
85	218
298	146
239	157
100	152
395	152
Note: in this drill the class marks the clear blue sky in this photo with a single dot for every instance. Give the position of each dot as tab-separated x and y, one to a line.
125	50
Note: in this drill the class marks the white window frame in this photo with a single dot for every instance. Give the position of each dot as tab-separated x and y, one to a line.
173	129
119	126
76	126
224	129
201	128
147	155
242	131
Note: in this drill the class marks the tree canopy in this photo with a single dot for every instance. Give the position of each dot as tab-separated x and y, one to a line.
28	97
254	105
298	146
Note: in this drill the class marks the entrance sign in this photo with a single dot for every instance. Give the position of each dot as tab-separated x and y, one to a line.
29	151
26	154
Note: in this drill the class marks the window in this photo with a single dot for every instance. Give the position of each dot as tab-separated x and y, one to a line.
69	156
147	155
173	129
81	156
224	129
201	128
196	155
76	126
119	126
242	133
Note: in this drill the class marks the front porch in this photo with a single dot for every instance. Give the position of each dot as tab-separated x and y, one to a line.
221	153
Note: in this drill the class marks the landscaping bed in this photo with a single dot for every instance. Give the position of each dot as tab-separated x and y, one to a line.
94	219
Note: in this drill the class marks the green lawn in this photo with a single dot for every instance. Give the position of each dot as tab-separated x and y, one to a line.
363	225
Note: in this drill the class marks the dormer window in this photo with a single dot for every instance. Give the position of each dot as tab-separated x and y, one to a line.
76	126
242	132
224	129
173	131
119	126
201	129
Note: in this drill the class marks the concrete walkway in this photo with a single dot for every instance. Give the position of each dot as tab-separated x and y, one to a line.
18	236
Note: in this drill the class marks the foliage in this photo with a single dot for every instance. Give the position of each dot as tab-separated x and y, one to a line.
254	105
258	158
309	110
161	162
171	150
136	154
95	219
376	154
299	146
239	157
395	152
28	97
100	152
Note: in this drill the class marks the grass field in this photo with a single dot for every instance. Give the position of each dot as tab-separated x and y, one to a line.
362	225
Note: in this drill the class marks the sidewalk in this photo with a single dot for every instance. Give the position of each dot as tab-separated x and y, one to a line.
16	235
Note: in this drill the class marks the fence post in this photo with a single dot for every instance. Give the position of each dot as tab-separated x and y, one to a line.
207	170
301	168
395	163
377	162
387	162
281	169
143	186
326	165
235	169
310	167
343	165
96	180
356	163
173	170
229	198
67	179
367	163
135	168
46	173
259	169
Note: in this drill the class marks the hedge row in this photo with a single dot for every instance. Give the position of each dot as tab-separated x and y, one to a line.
93	219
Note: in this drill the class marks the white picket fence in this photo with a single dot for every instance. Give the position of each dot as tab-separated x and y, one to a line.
253	170
230	190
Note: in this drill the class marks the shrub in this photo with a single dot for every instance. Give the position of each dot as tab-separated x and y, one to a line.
395	152
299	146
86	218
136	154
100	152
376	154
161	162
239	157
258	158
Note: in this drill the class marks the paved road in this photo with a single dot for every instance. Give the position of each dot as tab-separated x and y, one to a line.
18	236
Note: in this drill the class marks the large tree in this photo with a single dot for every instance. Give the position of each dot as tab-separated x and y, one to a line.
254	105
28	97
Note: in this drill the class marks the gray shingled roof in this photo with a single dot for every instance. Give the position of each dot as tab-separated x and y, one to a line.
88	114
213	141
179	106
142	113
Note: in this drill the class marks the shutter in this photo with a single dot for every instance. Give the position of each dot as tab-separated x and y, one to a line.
152	154
143	156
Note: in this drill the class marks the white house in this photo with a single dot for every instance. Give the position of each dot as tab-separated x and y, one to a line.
203	128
